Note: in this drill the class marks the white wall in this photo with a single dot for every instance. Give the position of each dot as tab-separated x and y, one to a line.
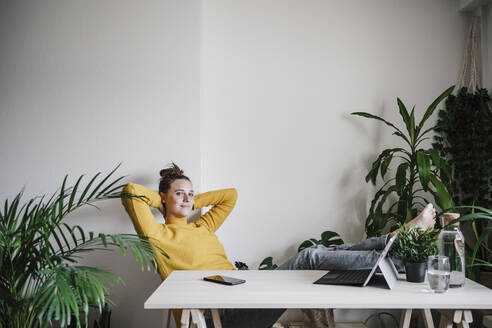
85	85
279	80
252	94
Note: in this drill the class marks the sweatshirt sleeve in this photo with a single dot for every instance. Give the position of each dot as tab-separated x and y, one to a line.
223	202
139	209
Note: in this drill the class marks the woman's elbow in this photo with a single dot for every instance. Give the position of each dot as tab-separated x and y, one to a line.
233	196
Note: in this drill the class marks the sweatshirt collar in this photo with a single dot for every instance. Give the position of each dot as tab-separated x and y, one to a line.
180	221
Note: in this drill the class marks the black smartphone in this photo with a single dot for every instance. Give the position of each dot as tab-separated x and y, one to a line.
224	280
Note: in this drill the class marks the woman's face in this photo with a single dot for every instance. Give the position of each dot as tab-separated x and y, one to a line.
178	199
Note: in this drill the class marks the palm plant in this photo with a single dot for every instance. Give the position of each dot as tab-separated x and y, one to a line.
40	279
420	171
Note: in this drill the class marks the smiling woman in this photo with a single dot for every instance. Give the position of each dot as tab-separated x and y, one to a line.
192	246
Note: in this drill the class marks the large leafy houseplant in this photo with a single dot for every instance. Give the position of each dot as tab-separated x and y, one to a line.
41	281
420	172
464	139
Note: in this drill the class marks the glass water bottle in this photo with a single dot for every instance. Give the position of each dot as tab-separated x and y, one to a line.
452	244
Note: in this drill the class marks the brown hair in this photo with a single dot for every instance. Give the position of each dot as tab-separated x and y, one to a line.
168	175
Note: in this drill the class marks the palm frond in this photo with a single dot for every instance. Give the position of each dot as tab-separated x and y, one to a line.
39	277
66	289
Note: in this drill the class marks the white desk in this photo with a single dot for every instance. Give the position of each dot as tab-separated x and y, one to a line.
295	290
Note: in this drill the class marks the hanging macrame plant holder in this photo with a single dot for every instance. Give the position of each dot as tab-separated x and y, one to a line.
470	76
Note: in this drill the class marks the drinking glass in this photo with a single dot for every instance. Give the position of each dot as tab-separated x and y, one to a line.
438	273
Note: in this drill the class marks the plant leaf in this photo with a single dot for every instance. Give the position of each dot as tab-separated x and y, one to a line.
433	106
443	198
329	238
480	243
423	165
436	159
267	264
401	179
412	126
404	113
368	115
385	164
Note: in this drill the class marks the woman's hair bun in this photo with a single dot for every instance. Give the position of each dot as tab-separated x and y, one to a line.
171	170
168	175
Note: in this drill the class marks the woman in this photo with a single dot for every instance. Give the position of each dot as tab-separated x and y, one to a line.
191	246
195	246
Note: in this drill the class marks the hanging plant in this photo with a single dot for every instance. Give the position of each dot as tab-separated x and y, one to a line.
464	139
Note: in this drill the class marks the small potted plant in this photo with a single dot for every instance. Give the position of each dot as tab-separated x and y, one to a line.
413	246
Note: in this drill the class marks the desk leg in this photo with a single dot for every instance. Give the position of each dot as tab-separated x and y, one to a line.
427	317
198	318
466	319
185	318
457	316
461	317
216	318
406	315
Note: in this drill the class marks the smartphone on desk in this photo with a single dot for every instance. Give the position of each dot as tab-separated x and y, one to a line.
224	280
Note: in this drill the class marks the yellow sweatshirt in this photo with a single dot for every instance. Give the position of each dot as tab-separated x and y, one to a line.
190	246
